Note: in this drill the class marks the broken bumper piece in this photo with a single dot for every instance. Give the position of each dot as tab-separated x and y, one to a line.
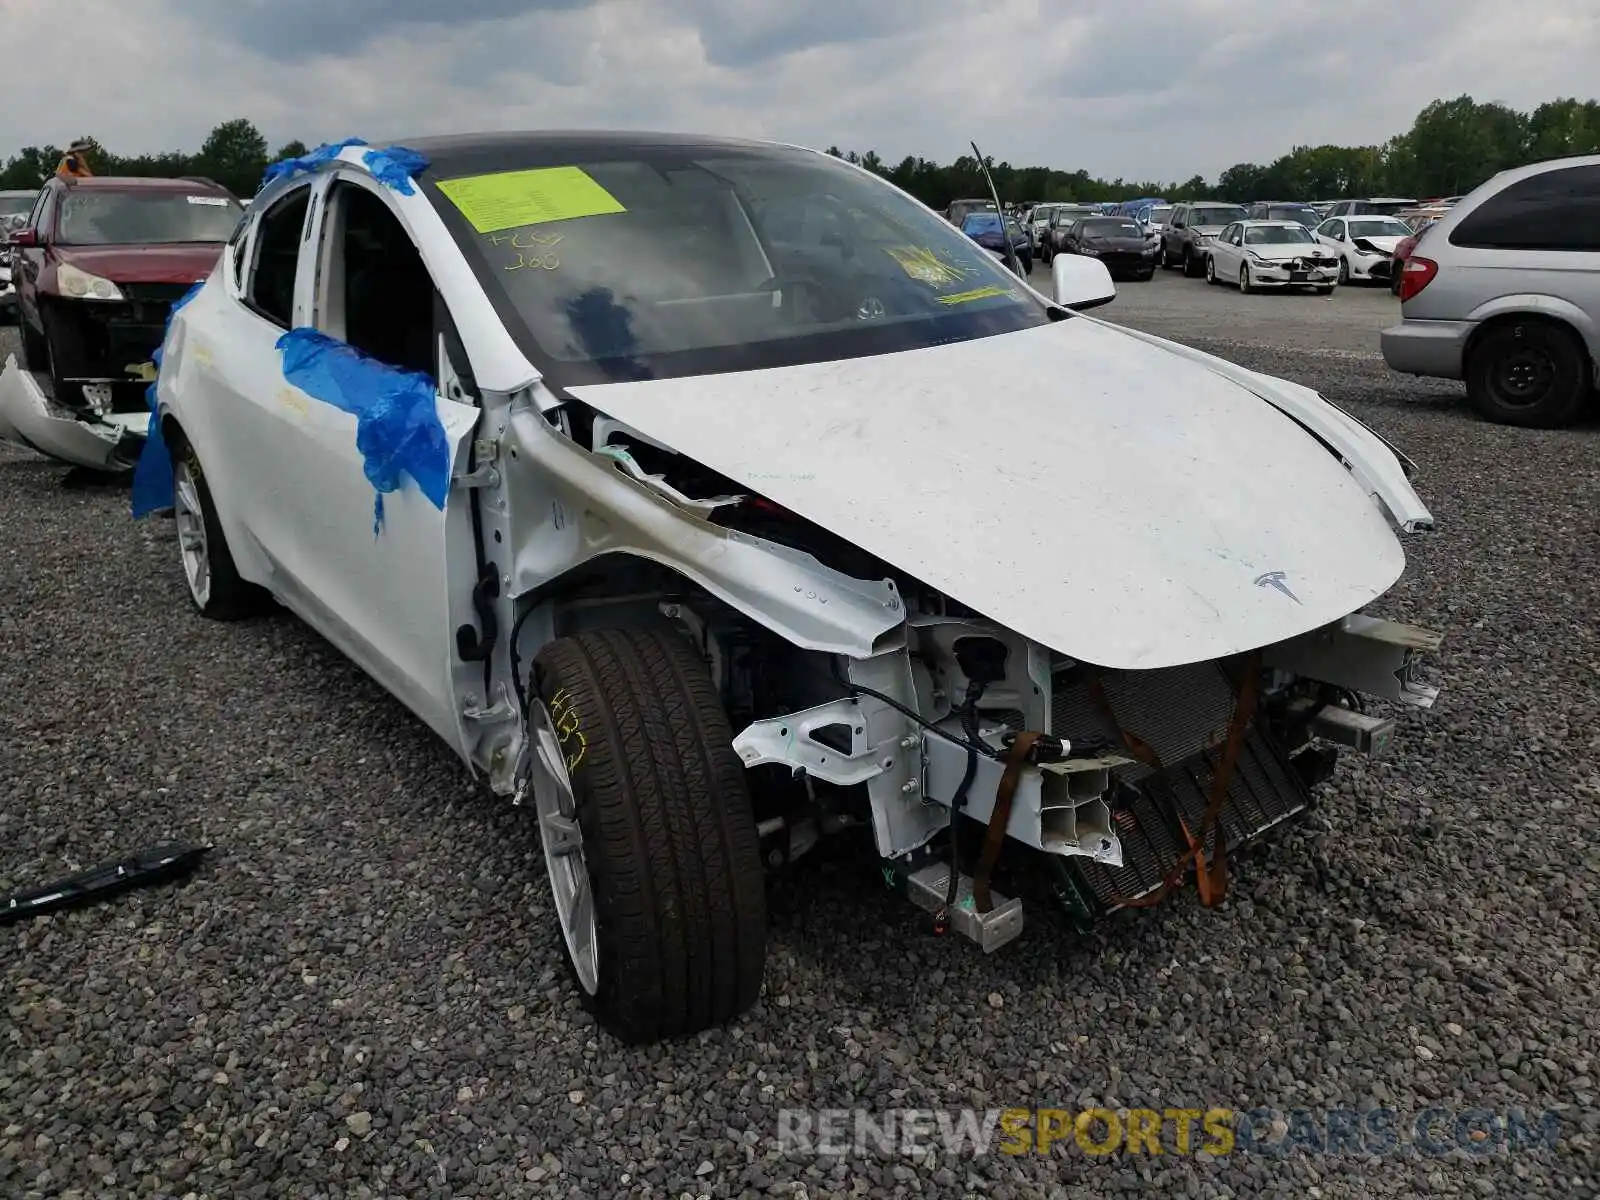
29	417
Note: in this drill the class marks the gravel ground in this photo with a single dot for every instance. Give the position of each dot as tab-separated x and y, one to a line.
361	991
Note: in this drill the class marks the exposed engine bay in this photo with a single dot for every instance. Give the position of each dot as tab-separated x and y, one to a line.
1109	785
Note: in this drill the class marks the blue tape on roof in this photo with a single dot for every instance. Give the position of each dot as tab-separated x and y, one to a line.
307	162
393	167
152	475
398	431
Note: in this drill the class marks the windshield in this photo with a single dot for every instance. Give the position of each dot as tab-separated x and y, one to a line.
1216	214
16	206
648	262
1386	207
1275	235
1111	227
1379	227
103	218
1303	213
1158	216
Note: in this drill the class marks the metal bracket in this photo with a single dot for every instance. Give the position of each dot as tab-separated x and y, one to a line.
503	709
486	452
1362	653
788	740
659	485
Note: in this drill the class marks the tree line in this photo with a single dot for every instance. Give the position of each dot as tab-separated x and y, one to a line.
1451	147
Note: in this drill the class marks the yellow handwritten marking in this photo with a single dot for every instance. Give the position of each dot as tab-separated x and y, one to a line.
293	401
924	266
565	716
508	199
202	354
547	261
982	293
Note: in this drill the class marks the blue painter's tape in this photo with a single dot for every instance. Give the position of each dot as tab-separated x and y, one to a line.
152	475
307	162
398	431
394	167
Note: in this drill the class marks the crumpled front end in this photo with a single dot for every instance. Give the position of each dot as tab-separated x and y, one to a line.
31	417
1109	787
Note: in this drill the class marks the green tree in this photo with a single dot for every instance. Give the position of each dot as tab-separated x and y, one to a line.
294	149
235	155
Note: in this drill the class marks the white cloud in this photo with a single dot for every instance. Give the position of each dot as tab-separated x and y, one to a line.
1142	88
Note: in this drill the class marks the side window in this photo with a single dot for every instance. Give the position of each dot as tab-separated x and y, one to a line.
38	208
1554	210
1180	217
241	239
380	297
270	290
49	202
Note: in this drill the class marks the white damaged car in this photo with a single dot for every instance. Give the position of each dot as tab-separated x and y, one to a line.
710	497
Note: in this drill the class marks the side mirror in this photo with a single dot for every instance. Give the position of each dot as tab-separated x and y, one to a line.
1081	282
24	237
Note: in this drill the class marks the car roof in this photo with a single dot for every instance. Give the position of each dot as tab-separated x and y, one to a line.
1263	224
139	183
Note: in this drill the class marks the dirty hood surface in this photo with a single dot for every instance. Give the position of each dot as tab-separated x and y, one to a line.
1098	494
186	263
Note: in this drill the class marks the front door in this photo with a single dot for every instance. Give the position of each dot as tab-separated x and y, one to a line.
366	567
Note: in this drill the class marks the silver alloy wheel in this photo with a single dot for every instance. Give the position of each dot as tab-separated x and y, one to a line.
192	546
562	840
1211	269
1244	278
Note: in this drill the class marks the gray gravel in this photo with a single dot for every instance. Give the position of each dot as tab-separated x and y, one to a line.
360	993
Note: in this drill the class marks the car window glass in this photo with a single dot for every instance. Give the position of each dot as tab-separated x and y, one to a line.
1554	210
38	209
387	297
277	256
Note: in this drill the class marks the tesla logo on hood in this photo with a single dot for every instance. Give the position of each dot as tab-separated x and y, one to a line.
1277	579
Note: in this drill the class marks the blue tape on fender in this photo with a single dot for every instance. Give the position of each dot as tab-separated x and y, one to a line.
394	167
398	431
307	162
152	475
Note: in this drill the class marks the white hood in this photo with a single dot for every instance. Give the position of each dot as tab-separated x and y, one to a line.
1386	244
1088	489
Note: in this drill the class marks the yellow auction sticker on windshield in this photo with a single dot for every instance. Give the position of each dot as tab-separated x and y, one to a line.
982	293
925	266
510	199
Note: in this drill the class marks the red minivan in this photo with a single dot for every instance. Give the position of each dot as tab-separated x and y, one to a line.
97	268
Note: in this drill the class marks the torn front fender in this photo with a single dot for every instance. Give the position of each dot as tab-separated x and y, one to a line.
31	418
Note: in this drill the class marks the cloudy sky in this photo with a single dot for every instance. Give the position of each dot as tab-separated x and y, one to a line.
1137	88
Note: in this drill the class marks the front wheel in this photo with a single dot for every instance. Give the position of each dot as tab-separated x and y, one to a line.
1344	271
1211	270
1190	267
1245	287
1528	373
649	835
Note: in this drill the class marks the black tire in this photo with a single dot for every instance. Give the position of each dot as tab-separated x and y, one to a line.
669	835
1211	270
229	597
1190	270
1531	373
1344	271
1164	261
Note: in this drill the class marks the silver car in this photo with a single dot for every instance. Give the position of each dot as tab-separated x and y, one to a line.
1503	291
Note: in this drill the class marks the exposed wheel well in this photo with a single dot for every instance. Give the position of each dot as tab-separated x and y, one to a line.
172	432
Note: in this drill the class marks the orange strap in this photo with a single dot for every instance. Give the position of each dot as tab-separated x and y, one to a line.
1211	880
994	837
